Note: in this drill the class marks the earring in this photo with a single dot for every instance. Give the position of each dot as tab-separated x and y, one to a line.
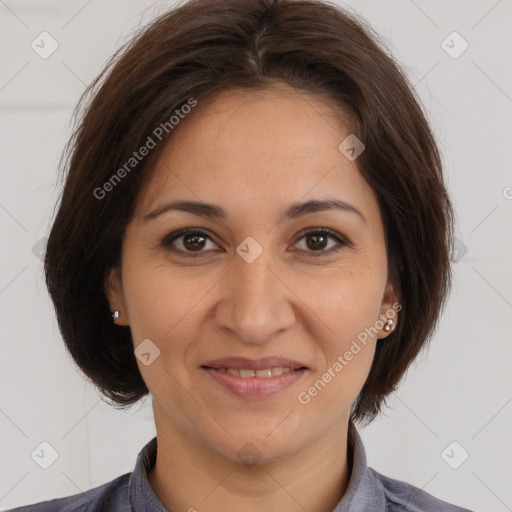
115	315
388	325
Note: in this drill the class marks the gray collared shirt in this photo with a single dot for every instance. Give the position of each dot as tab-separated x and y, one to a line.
367	491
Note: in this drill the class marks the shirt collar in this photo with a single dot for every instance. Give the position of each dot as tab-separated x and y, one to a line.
142	496
364	492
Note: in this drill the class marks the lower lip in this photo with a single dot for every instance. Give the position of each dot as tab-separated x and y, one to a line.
254	387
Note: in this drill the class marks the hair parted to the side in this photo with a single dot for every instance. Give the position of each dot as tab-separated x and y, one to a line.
194	51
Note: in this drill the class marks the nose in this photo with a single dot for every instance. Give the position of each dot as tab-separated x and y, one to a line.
256	304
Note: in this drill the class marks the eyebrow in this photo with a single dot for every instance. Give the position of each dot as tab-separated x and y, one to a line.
294	211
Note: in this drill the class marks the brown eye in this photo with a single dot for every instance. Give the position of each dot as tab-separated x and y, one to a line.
187	241
193	242
317	242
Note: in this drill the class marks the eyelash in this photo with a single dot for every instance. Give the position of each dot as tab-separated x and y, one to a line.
169	239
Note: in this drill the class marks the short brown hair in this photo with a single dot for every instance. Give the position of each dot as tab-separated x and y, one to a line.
194	51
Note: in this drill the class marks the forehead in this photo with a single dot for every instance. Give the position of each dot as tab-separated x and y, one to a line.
252	151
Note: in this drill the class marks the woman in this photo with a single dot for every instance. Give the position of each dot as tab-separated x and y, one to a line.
254	229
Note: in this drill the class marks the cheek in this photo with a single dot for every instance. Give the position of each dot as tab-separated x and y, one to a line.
344	313
346	337
168	307
161	301
344	303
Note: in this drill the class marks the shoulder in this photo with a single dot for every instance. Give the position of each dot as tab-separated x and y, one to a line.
111	496
404	497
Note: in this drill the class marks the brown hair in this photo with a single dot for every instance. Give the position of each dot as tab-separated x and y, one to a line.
194	51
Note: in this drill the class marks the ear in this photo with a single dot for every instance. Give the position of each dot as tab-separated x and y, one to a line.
390	307
113	288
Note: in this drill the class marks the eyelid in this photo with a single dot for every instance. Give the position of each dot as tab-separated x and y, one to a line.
171	237
341	240
322	230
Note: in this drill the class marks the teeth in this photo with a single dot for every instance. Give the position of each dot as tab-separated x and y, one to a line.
266	373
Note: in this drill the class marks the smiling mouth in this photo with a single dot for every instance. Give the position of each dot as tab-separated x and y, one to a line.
254	384
263	373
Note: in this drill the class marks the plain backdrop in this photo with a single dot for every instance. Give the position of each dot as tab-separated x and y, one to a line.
446	429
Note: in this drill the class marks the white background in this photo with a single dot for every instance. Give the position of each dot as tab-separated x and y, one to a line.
460	390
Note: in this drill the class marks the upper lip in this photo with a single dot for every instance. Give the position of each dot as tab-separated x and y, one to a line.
254	364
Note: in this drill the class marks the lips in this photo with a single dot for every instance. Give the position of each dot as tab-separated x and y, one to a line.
252	384
243	363
254	378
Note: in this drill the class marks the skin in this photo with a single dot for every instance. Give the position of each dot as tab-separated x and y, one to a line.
253	154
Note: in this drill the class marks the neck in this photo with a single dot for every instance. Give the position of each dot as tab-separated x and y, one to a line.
188	475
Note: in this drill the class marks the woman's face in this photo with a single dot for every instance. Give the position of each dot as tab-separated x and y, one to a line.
255	283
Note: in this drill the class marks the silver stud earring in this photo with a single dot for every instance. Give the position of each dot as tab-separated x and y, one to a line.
115	315
388	325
